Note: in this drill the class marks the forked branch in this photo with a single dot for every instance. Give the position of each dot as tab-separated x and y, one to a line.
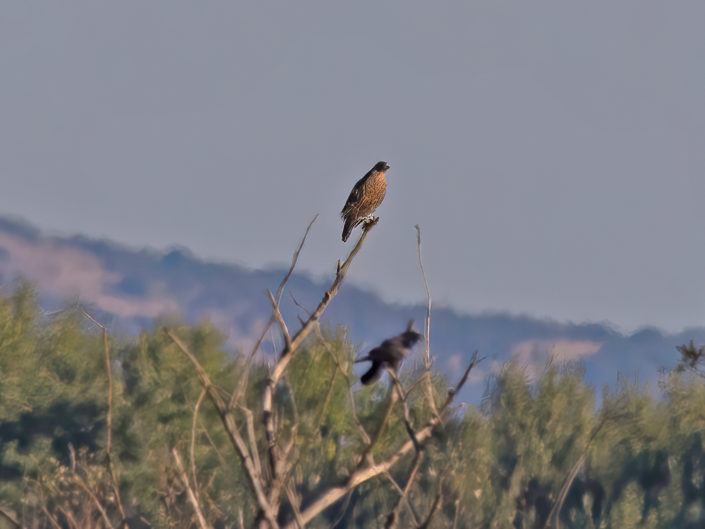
360	475
291	344
228	420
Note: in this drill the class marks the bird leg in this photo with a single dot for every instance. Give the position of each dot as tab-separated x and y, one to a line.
369	221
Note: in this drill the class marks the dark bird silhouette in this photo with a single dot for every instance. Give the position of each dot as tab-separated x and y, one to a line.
364	198
389	353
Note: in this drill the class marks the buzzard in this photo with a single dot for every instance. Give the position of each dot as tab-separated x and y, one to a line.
389	354
365	197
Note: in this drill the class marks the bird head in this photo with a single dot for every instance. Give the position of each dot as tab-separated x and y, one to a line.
381	166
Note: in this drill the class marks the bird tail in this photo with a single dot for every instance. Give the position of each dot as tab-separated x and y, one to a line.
347	228
372	374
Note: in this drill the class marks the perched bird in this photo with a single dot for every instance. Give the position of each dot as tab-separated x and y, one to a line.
389	353
364	198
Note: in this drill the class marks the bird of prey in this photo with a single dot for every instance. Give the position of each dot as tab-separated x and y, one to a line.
389	353
364	198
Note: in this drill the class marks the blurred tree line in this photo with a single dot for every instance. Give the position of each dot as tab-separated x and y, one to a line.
536	453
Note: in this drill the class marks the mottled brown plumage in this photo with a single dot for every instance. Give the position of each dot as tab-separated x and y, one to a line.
365	198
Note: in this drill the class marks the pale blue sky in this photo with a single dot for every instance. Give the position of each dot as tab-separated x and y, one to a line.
553	152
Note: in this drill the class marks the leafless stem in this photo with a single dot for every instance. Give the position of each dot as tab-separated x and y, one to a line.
10	517
573	473
405	407
432	511
240	392
280	320
228	420
54	523
250	421
427	329
69	516
290	347
364	473
393	517
96	501
109	419
192	450
296	302
295	506
189	491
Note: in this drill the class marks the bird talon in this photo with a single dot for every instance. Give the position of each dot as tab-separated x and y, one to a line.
369	222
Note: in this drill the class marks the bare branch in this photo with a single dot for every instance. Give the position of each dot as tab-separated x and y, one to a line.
189	491
457	512
228	420
573	473
434	507
280	320
96	501
69	516
427	329
287	352
303	332
10	517
393	517
192	450
405	407
54	523
362	474
296	302
295	506
109	419
294	259
240	392
250	421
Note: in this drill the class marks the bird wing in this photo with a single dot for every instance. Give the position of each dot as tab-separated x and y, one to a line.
355	195
390	351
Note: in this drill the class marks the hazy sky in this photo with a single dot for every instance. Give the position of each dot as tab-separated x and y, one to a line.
553	152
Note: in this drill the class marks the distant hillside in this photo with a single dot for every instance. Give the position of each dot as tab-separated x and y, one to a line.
132	287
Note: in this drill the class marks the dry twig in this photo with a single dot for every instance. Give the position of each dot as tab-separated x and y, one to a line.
362	474
242	387
291	344
427	327
393	517
189	491
109	420
228	420
10	517
192	450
